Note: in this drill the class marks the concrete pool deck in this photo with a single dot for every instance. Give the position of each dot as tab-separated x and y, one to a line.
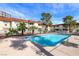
15	46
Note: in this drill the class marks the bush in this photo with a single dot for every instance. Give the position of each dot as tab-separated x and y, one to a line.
11	32
78	30
45	31
40	30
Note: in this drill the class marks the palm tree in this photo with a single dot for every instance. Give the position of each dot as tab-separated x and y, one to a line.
22	27
46	19
69	22
73	25
32	28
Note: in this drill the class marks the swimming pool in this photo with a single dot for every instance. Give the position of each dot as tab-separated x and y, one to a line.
48	39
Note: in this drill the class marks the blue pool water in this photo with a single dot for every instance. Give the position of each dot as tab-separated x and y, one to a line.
48	39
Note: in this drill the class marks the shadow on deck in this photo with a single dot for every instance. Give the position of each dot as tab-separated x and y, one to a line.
43	50
18	44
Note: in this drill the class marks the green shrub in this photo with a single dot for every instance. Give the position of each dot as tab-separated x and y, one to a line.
22	27
78	30
40	30
45	31
11	32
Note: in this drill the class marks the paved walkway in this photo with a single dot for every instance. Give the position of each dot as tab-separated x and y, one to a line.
16	46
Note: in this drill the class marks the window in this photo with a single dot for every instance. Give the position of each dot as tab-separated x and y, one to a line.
5	31
31	23
16	24
39	24
5	24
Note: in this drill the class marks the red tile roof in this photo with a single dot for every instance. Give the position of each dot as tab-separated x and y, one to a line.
19	20
58	24
14	19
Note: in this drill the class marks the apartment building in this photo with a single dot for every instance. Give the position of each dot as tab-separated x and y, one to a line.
59	27
62	28
6	23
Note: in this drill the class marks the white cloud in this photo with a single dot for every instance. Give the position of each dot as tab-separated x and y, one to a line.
58	11
15	13
57	20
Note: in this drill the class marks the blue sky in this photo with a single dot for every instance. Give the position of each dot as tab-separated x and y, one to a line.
32	11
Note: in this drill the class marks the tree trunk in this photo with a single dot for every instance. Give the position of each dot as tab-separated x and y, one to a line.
22	32
10	24
46	27
40	32
32	31
68	28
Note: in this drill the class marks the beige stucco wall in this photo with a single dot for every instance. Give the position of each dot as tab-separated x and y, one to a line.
3	27
14	24
49	28
36	24
27	25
